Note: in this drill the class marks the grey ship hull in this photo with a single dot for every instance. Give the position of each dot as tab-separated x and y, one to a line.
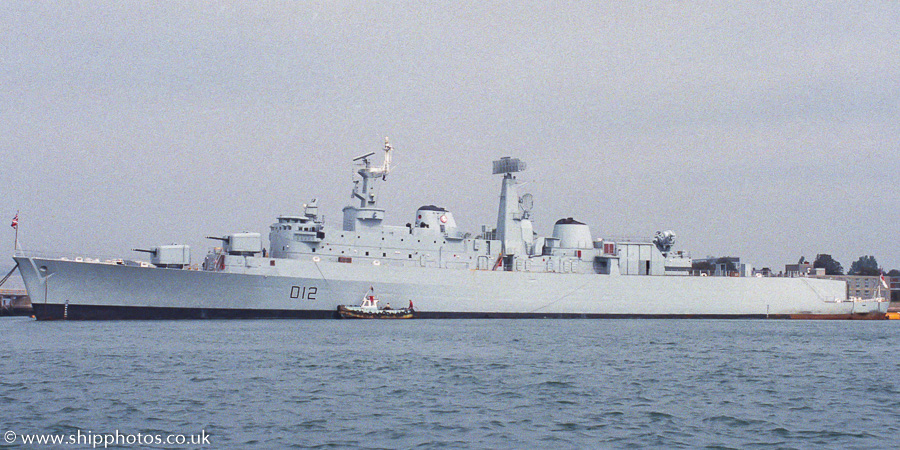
66	289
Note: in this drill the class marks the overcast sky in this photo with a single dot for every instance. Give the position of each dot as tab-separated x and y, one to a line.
767	131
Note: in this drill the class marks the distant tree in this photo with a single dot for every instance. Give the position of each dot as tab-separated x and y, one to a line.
832	267
802	260
894	273
865	265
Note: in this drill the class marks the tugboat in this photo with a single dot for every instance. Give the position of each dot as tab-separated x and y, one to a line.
369	309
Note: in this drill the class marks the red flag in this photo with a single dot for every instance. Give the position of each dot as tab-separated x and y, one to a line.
15	222
883	282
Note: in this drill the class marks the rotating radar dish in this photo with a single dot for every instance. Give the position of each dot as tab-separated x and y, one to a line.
526	202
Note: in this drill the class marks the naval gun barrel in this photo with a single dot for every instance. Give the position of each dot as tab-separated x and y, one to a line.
223	239
144	250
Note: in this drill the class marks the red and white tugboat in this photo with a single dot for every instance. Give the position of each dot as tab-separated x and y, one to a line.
369	309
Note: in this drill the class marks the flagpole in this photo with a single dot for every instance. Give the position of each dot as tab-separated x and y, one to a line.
16	244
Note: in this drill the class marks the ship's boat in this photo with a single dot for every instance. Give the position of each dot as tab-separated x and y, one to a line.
505	271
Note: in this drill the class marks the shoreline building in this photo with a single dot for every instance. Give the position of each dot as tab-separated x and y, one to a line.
894	283
859	286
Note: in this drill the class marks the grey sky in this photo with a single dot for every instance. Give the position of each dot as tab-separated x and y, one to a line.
761	130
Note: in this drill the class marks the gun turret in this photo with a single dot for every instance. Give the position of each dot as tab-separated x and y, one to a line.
245	244
168	256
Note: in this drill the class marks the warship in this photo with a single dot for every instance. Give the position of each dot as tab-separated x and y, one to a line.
507	271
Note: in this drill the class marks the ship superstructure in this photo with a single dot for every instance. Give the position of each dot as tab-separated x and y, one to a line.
433	239
505	271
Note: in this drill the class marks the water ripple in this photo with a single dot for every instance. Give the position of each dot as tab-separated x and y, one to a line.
460	384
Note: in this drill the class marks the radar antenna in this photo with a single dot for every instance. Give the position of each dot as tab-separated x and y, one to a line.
526	202
365	157
373	172
366	191
507	165
386	166
664	241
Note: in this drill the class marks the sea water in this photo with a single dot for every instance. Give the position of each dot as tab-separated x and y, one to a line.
456	383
